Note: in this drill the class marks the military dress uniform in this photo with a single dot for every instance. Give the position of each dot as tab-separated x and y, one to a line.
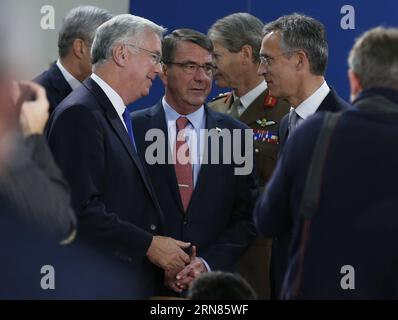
263	116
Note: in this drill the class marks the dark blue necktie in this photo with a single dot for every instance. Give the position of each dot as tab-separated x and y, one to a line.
129	126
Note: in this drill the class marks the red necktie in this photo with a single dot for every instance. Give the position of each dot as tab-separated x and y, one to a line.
183	166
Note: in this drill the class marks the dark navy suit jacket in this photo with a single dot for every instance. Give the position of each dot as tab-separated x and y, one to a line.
219	218
57	88
332	103
111	192
356	223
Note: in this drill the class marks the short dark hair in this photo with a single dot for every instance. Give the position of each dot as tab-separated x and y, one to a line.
300	32
219	285
170	42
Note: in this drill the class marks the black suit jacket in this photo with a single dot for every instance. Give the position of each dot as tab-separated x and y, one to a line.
111	192
280	244
219	217
356	222
57	88
332	103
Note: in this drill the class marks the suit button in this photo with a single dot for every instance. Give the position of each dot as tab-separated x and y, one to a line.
153	227
256	150
185	222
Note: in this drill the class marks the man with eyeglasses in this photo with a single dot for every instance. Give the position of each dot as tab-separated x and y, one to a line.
74	44
204	203
293	56
237	41
92	139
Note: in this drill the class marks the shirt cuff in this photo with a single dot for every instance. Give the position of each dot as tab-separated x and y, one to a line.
205	263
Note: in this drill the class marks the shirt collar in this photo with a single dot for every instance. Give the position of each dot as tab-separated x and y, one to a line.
312	103
247	99
195	118
112	95
71	80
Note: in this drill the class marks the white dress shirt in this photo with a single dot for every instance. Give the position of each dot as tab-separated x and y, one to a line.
247	99
193	134
309	106
112	95
73	82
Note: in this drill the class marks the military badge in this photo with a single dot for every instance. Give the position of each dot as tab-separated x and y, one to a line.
265	123
269	101
265	136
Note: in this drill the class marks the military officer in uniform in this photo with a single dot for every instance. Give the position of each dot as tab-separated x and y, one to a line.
237	41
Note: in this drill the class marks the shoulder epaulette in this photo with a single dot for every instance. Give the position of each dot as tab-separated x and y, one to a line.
221	95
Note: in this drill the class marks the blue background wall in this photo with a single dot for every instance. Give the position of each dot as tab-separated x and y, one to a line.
201	14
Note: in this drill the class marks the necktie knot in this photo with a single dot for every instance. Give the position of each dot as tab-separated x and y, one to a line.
181	123
126	115
129	125
234	109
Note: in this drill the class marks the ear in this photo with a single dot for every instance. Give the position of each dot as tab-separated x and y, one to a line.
78	47
163	75
120	55
355	84
247	54
301	60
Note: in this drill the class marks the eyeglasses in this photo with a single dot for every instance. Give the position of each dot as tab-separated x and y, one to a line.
191	67
156	56
267	60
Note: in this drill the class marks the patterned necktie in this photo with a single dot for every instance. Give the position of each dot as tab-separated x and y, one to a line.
129	126
293	118
234	110
183	167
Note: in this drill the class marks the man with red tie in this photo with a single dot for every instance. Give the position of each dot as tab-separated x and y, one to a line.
205	203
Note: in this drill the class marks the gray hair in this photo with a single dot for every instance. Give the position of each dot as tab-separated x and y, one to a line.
170	42
120	29
80	23
300	32
374	58
236	30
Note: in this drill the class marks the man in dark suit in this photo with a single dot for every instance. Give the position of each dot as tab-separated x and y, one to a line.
205	203
350	250
92	140
237	41
74	44
294	54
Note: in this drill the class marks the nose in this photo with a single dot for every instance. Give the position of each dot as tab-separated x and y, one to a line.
200	74
262	69
158	68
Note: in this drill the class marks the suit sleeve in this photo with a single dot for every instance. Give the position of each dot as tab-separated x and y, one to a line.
33	182
77	142
271	213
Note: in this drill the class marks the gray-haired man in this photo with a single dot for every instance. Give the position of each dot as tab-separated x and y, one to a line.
91	136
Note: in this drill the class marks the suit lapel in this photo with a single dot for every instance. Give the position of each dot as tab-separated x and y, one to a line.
158	120
206	173
115	122
255	111
58	81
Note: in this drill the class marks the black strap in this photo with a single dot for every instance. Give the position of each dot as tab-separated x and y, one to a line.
312	190
311	195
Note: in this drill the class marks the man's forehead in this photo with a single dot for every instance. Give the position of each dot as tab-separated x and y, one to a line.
152	39
190	49
270	41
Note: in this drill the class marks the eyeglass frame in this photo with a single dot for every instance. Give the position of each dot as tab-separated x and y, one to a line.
266	60
183	66
156	56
